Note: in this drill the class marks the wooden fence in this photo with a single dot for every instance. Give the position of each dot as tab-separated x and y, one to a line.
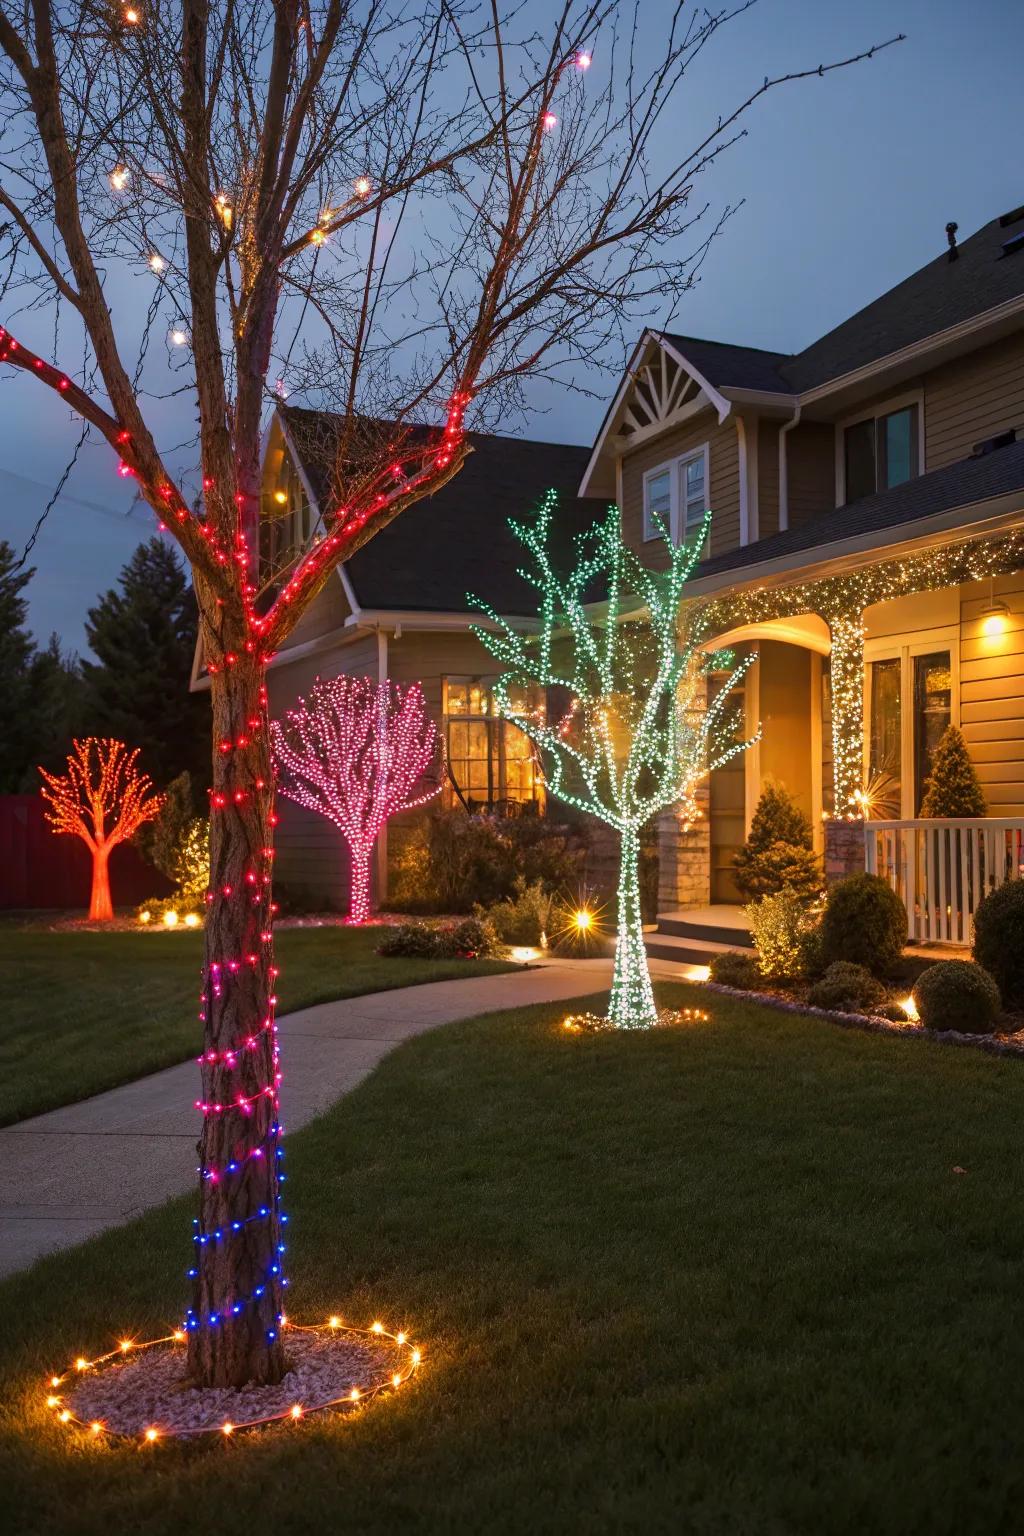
38	869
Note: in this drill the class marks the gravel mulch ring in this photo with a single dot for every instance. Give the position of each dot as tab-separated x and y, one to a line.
668	1018
1001	1044
145	1390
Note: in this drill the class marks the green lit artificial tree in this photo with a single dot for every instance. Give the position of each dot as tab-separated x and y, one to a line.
626	730
953	787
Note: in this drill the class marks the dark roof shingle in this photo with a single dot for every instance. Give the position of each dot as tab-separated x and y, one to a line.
939	295
962	484
458	540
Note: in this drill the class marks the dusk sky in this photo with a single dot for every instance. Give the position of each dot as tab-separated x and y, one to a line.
847	184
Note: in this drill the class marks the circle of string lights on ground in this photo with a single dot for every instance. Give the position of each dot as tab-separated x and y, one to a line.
60	1388
667	1018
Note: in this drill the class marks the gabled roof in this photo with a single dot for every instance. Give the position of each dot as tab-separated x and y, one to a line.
939	296
458	540
728	366
903	511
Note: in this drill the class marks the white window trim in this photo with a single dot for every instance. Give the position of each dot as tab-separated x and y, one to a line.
923	642
674	468
882	408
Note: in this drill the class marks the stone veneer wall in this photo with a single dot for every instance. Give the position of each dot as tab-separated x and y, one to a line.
684	863
844	849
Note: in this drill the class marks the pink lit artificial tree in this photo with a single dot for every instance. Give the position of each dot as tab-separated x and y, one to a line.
355	751
103	799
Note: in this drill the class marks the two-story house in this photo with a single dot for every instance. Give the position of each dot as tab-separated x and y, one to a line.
867	543
856	487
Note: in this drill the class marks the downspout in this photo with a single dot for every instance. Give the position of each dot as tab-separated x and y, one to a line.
784	468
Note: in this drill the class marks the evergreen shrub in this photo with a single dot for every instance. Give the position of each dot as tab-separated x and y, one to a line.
957	994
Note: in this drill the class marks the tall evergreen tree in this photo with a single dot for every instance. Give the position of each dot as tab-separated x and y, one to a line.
953	787
56	679
18	722
144	637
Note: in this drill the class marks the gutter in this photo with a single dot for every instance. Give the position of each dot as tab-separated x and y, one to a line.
999	514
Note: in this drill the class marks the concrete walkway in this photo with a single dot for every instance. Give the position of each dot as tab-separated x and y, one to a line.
79	1170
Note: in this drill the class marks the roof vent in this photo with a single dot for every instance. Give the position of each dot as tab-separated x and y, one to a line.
1013	217
1015	243
991	444
951	229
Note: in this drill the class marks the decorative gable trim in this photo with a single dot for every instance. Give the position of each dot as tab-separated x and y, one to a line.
659	389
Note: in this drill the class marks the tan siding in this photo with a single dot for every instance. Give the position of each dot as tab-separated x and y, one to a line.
992	693
972	398
723	477
768	477
811	467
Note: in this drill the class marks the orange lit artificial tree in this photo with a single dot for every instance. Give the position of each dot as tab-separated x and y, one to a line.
103	799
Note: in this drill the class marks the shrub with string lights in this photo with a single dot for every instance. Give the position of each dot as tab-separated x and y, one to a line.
355	751
103	799
629	730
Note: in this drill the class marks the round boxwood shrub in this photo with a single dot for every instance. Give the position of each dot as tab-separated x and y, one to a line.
865	922
999	939
848	988
734	970
957	994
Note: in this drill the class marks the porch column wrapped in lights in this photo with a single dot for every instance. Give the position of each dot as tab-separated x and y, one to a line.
840	600
847	631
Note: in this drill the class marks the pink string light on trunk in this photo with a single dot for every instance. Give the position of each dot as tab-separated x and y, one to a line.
355	751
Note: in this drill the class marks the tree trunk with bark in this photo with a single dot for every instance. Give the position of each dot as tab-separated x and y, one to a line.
234	1324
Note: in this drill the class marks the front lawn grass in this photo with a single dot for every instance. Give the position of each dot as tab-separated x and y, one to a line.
724	1278
82	1012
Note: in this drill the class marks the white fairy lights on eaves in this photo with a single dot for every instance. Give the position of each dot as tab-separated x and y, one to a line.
840	600
636	734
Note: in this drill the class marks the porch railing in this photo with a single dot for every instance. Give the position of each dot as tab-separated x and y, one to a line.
942	869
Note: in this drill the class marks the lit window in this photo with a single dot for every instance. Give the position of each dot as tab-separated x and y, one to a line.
492	763
676	497
933	695
880	452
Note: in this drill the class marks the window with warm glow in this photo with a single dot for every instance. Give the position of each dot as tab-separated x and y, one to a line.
286	521
933	696
491	762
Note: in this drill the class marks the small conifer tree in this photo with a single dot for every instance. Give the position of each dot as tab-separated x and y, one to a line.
953	787
779	853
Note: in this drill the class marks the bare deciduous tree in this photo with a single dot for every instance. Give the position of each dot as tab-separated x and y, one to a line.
434	204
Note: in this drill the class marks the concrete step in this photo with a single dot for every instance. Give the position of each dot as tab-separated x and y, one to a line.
700	951
678	926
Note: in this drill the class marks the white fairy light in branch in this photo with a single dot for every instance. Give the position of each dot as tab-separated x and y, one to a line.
583	60
179	337
132	16
549	122
362	186
636	733
157	263
120	177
